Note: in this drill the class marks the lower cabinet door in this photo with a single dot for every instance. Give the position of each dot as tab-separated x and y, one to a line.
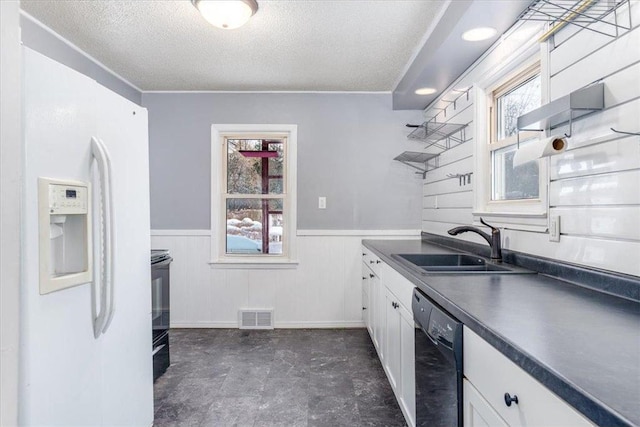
392	340
408	367
380	318
365	306
476	412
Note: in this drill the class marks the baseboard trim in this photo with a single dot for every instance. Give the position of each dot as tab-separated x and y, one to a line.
320	325
278	325
205	324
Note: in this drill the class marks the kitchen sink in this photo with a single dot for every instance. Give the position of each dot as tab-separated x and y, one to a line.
455	264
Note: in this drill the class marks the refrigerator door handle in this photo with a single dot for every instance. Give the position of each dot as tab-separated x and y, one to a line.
101	322
110	223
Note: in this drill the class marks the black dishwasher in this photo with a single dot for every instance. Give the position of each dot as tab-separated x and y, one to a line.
438	363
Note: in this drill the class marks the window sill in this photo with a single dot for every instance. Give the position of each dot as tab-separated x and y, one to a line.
510	214
233	264
531	221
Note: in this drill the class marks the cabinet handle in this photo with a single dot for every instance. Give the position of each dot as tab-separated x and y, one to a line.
509	400
371	262
371	275
364	278
364	308
394	304
363	254
378	261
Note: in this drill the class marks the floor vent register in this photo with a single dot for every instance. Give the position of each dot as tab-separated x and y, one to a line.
256	319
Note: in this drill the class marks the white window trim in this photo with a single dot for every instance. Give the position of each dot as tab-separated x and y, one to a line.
218	217
529	215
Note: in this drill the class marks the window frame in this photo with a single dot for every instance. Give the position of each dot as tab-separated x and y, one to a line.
510	83
220	133
521	214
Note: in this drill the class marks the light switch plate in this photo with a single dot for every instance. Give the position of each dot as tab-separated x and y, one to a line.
322	202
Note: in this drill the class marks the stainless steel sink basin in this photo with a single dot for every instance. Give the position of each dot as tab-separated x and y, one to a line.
455	264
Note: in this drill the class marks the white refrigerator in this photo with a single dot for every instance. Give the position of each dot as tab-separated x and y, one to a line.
85	351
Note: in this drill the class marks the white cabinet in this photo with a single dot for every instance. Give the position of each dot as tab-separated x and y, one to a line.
408	367
399	363
393	339
366	299
491	376
380	316
371	286
390	324
477	411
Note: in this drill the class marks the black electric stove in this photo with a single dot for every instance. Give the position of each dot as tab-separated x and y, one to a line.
160	262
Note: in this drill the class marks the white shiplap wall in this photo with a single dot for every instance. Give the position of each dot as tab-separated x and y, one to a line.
595	185
323	291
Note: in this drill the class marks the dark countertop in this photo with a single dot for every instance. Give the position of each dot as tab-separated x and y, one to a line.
582	344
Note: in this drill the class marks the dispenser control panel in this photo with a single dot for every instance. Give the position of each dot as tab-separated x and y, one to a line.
65	234
67	199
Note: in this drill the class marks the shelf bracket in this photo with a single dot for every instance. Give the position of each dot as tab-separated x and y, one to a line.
626	133
422	171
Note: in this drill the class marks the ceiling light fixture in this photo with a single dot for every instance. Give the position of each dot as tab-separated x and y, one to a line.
425	91
226	14
479	34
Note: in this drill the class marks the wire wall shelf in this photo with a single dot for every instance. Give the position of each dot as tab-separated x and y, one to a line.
581	13
423	162
439	135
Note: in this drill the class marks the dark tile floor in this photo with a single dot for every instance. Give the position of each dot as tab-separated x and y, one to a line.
282	377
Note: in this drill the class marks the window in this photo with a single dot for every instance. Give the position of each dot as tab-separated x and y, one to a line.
516	97
253	194
508	196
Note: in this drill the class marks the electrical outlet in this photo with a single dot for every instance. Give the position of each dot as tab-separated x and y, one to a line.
554	228
322	202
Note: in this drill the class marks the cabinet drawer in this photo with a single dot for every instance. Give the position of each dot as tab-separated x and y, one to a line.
493	375
398	285
372	260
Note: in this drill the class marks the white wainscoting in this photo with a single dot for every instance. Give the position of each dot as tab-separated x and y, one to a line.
324	291
594	185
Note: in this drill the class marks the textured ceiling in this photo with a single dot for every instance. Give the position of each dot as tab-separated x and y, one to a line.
289	45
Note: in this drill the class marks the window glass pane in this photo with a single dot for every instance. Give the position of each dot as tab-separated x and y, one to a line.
247	230
252	164
518	101
511	183
275	186
275	163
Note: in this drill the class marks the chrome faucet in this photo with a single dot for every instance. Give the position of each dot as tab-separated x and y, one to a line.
493	240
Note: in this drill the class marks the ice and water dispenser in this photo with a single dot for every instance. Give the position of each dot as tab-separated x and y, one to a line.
65	234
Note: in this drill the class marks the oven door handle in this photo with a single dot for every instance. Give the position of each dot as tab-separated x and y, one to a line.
157	349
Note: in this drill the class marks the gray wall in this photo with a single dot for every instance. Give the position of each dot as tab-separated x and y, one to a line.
41	40
346	143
